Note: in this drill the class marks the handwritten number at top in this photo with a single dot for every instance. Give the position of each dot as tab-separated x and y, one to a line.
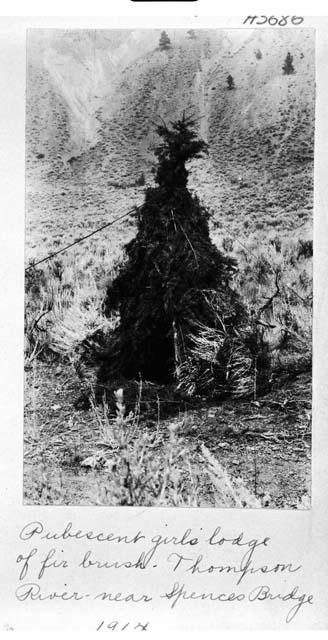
273	21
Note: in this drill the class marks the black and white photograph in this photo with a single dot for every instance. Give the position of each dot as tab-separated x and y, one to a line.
168	267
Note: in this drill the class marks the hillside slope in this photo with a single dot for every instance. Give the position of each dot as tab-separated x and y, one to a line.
94	98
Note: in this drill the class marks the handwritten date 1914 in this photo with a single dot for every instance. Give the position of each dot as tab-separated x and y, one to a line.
115	625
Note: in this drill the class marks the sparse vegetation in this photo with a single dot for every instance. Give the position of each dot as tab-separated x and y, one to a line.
76	317
164	42
141	181
230	82
288	67
147	468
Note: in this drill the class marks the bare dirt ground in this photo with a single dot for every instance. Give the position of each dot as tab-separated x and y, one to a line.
266	442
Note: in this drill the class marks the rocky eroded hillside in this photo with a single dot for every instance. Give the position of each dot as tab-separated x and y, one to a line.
94	98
